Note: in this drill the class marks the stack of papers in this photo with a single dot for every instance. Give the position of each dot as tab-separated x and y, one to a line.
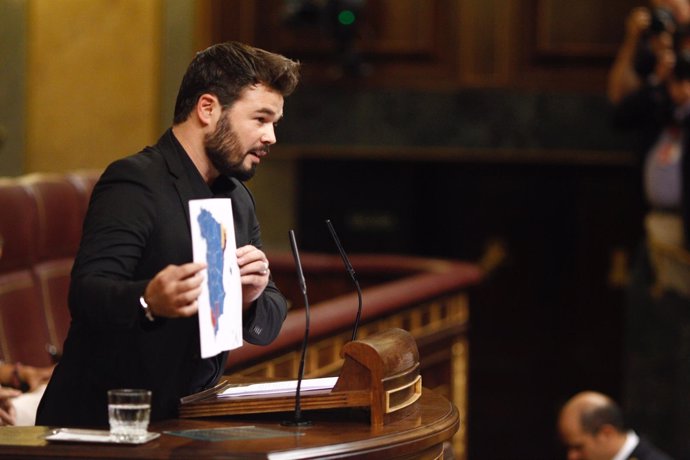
100	436
284	386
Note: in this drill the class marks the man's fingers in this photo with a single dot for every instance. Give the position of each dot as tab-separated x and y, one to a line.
259	267
6	393
248	255
175	287
182	278
241	251
187	297
188	310
192	282
186	291
180	272
7	415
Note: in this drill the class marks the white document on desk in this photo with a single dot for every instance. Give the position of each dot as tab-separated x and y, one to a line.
283	386
220	301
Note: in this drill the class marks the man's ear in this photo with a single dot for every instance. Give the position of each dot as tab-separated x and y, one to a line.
207	108
607	431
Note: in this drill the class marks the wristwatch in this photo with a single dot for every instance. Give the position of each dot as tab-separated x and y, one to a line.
147	310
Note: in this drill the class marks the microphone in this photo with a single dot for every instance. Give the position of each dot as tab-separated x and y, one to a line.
351	271
298	420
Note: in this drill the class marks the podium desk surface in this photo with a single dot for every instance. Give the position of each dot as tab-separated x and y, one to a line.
333	434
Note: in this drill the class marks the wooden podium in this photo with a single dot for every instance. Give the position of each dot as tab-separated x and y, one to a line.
380	373
337	434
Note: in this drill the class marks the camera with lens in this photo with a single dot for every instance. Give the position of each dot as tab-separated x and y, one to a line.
645	58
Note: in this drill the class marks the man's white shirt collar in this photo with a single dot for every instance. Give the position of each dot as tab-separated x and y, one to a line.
631	441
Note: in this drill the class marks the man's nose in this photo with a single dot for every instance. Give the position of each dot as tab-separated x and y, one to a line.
269	135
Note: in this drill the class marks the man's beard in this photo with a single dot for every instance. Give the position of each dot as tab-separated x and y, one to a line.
222	146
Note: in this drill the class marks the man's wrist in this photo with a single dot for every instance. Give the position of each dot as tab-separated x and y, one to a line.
147	309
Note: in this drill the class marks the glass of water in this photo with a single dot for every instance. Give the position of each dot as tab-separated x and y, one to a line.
129	411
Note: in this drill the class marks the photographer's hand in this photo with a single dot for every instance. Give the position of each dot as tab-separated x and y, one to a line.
665	62
638	21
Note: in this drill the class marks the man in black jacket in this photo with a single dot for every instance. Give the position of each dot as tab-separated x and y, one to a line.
592	428
134	286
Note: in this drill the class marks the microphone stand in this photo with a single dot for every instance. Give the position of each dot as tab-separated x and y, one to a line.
298	420
351	271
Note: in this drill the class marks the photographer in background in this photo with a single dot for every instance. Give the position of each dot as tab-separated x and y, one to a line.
647	55
657	319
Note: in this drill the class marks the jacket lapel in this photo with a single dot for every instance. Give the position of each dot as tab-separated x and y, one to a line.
178	174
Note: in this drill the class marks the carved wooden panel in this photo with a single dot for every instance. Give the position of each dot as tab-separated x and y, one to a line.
556	44
589	28
565	44
391	42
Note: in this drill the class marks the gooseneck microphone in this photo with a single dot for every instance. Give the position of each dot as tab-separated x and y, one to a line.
351	271
298	420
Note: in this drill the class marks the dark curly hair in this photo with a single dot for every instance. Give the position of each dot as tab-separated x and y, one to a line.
225	69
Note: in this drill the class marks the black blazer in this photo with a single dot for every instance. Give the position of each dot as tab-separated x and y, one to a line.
137	224
646	451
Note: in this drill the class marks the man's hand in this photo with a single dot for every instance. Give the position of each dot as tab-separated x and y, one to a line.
637	22
7	411
254	273
173	292
665	62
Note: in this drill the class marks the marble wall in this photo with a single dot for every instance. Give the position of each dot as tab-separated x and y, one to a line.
468	118
12	86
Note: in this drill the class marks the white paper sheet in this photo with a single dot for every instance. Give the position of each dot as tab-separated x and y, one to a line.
220	301
284	386
98	436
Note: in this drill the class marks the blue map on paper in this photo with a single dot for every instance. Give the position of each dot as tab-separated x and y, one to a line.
214	234
220	301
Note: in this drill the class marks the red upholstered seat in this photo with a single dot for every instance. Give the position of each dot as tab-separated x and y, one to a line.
60	214
41	217
60	209
23	330
18	226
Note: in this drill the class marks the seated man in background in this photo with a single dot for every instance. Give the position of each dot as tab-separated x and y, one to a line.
8	413
591	427
21	389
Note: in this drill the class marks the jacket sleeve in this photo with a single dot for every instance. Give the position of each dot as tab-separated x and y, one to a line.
264	319
104	291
